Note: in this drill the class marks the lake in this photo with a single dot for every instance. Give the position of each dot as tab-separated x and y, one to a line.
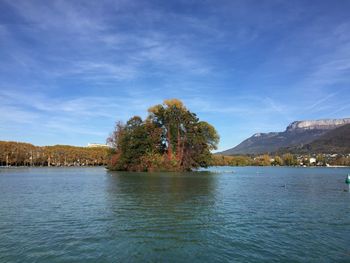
240	214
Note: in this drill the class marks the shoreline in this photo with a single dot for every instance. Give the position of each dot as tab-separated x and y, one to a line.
24	166
101	166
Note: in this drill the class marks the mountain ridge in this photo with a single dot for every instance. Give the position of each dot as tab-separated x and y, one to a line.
296	133
334	141
326	124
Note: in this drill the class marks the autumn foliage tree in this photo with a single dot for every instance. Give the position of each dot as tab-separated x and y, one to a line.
171	138
25	154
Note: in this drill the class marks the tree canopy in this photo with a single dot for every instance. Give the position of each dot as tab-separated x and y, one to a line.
171	138
26	154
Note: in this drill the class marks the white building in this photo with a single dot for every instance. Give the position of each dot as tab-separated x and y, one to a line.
93	145
312	160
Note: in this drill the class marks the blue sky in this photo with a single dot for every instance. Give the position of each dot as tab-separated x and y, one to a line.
70	69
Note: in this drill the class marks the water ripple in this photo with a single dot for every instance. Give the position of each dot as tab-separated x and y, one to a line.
87	215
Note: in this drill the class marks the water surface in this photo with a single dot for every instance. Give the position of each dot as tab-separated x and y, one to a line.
250	214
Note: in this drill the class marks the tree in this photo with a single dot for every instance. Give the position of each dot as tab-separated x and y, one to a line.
25	154
170	138
289	160
320	159
277	161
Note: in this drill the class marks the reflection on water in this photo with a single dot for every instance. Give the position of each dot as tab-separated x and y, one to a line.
165	213
254	214
174	188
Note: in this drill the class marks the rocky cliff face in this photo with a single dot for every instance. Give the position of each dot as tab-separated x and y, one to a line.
297	133
326	124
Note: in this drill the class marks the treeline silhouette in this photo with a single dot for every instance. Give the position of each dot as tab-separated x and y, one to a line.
26	154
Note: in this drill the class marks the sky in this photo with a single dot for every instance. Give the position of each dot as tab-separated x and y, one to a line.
70	69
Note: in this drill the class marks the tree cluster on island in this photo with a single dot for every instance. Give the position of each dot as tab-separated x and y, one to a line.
171	138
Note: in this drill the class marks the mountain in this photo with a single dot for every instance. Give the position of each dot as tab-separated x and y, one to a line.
334	141
327	124
296	133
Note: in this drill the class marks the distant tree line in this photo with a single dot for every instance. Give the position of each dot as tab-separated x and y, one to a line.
247	160
25	154
171	138
286	159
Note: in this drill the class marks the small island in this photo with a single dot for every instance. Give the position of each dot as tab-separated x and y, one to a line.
171	138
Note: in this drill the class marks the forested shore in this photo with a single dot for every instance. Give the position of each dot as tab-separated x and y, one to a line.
286	159
26	154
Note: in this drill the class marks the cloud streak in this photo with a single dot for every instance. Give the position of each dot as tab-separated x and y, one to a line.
70	69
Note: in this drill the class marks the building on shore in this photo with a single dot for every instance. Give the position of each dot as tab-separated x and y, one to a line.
94	145
312	160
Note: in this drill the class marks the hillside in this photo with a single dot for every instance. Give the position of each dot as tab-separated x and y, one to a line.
334	141
297	133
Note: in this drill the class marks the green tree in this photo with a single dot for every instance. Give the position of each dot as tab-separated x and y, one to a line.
171	138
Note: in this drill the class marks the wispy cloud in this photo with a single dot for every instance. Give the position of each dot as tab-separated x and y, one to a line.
342	109
79	107
246	66
320	101
124	54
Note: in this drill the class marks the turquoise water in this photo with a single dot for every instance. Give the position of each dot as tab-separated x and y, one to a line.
248	214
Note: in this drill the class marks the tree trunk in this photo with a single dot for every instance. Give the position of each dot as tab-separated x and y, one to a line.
178	147
182	150
169	144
